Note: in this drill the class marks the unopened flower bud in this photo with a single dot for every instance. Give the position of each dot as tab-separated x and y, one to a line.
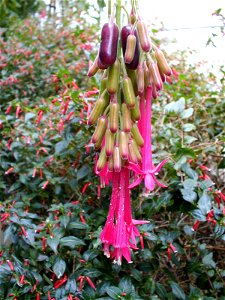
117	159
126	118
154	73
132	74
143	36
162	63
146	75
109	142
93	68
98	110
137	136
135	112
132	155
123	145
128	92
98	145
141	79
163	76
114	117
110	163
100	130
154	91
113	78
130	48
101	160
136	150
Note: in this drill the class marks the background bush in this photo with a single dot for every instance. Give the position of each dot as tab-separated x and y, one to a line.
51	209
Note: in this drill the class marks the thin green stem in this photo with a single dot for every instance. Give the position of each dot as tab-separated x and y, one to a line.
128	16
118	13
109	8
118	22
123	67
136	4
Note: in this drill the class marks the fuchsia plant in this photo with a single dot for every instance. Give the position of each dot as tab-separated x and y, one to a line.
123	114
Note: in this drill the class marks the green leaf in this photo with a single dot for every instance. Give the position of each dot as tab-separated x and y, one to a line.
114	292
83	171
61	146
197	214
189	139
189	171
64	220
71	286
189	127
53	243
208	260
125	285
8	233
180	162
204	203
30	237
190	184
29	116
136	274
205	184
59	267
161	291
177	291
71	242
163	200
176	106
91	272
187	113
189	195
77	225
90	254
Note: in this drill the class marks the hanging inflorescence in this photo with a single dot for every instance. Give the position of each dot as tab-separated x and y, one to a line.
133	71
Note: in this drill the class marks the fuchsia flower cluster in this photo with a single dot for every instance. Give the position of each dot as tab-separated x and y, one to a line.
120	231
123	134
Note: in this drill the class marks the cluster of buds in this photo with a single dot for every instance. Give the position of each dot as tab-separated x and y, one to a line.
133	71
123	87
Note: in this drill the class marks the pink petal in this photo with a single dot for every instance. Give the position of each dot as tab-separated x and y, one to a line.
136	182
159	183
139	222
149	182
134	247
159	166
135	168
126	254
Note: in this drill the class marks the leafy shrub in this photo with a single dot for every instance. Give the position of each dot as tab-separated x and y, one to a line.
51	209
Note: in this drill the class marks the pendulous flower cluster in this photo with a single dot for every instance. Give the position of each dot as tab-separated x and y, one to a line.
133	71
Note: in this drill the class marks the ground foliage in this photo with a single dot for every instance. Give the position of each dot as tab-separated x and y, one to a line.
52	212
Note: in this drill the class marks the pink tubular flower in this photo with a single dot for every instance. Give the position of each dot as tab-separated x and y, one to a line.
119	234
148	172
104	174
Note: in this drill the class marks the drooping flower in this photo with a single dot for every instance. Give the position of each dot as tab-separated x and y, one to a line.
147	171
120	232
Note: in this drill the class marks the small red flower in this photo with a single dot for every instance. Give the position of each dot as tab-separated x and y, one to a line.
90	282
10	170
196	224
45	185
44	243
10	265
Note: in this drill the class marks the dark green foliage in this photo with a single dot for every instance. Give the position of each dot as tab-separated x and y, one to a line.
13	10
51	214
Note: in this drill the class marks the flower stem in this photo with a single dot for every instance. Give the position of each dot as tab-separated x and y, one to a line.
148	131
118	22
109	8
